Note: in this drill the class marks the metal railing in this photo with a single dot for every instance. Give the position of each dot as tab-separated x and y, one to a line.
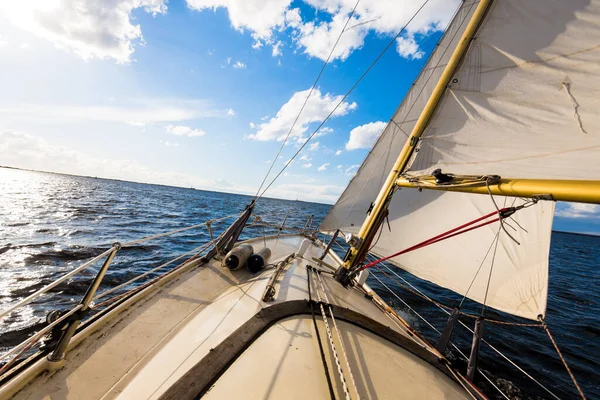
454	346
70	320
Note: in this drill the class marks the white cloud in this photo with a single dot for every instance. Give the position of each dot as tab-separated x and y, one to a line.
305	157
337	153
261	17
351	170
23	150
383	17
407	47
277	49
169	144
323	167
140	124
239	65
316	109
318	38
579	210
3	40
307	165
180	130
89	28
134	112
363	137
313	146
230	112
323	131
252	126
321	193
268	23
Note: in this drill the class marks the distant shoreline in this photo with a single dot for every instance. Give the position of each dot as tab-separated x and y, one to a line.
157	184
579	233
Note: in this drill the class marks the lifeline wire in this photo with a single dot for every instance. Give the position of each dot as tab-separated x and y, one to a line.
484	341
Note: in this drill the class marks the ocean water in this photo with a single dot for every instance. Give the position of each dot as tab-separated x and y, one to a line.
51	223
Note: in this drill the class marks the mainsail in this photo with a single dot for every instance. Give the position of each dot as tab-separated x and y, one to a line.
521	104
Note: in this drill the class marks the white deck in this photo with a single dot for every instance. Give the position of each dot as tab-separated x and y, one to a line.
147	348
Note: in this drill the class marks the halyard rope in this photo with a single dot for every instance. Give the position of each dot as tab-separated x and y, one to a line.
312	311
332	344
339	336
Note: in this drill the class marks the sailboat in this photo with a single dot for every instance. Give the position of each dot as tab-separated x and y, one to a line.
459	190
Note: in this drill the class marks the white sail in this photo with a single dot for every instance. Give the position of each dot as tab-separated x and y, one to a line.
350	210
525	100
522	104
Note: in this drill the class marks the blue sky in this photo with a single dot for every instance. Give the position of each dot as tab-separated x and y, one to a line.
201	92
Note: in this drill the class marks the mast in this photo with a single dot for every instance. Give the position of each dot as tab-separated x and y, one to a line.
378	212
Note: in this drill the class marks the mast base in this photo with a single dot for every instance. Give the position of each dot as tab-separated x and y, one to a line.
342	275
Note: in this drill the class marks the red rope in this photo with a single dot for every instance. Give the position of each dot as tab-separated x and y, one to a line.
443	236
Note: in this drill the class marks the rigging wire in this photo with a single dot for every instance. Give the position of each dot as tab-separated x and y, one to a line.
408	112
487	343
436	330
479	269
346	96
487	288
306	101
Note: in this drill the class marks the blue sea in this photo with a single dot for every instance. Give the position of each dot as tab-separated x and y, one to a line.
50	223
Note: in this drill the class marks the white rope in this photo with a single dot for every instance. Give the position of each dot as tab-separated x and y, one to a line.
46	288
332	344
339	336
485	341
